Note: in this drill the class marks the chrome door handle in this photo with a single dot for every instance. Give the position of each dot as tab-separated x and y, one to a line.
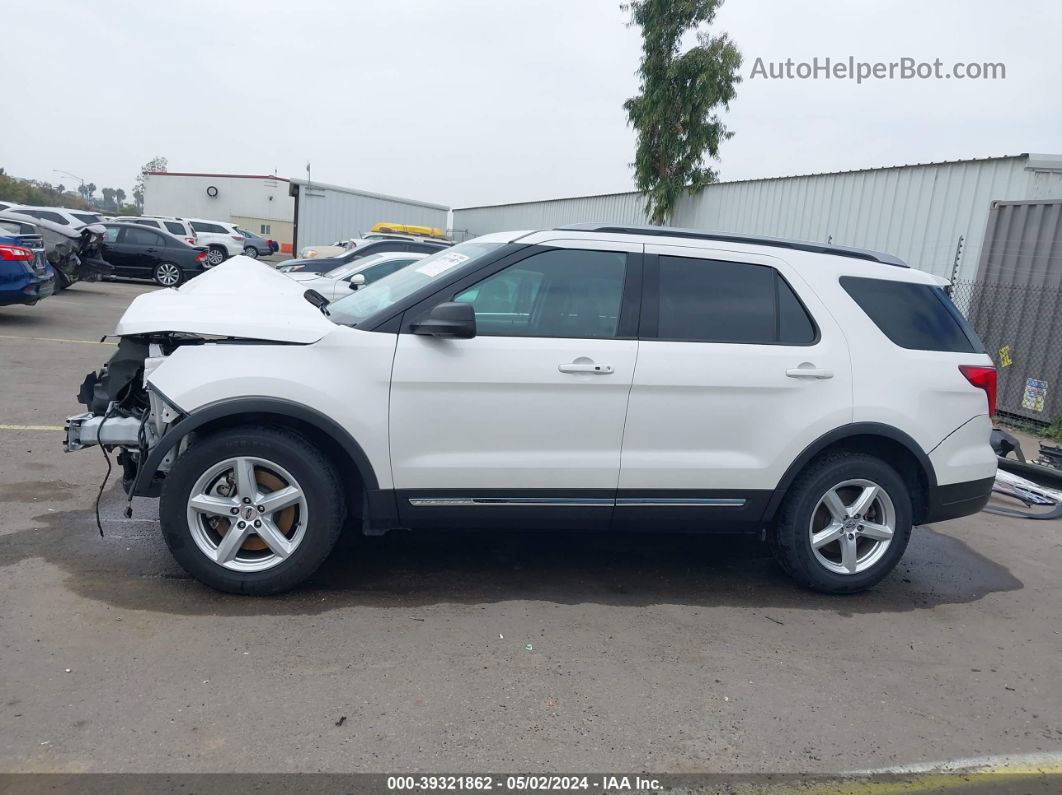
593	369
809	372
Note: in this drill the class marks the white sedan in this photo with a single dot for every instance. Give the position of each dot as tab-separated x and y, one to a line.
338	282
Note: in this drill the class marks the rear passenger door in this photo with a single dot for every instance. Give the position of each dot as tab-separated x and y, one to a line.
740	367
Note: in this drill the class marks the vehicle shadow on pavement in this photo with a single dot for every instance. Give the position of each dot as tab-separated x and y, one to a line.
131	568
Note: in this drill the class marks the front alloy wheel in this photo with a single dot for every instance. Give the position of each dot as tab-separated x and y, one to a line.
247	514
251	510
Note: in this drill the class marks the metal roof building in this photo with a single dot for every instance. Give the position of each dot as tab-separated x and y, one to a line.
932	215
325	213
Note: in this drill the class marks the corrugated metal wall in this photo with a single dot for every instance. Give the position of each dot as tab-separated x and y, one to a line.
327	213
916	212
1016	303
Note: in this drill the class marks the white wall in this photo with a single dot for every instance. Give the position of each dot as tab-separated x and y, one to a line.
186	196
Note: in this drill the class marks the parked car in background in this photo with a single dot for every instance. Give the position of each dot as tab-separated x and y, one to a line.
331	250
385	227
221	239
164	223
341	281
255	246
361	248
73	251
25	275
59	215
141	253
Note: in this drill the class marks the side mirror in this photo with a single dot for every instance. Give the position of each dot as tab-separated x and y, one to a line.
448	320
357	281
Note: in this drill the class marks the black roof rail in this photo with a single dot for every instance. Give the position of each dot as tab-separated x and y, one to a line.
696	234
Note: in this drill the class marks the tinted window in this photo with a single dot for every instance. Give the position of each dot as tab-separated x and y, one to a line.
376	272
87	218
214	229
566	293
176	228
705	300
135	236
916	316
111	235
147	222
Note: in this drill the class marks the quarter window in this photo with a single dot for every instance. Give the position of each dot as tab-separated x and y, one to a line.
562	293
210	229
920	317
703	300
176	228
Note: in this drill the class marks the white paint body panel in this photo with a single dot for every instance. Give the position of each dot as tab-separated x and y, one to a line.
495	412
963	455
241	297
345	376
706	415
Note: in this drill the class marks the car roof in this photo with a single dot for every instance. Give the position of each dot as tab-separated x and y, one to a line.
726	237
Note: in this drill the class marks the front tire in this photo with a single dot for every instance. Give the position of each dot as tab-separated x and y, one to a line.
844	524
251	510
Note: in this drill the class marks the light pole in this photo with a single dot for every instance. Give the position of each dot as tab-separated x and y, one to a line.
75	176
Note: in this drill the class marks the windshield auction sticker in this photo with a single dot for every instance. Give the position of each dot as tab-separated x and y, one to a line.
442	263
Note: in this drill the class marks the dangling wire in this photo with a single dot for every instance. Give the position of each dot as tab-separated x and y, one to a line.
107	458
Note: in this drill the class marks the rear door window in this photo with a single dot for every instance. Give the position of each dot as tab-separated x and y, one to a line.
704	300
919	317
135	236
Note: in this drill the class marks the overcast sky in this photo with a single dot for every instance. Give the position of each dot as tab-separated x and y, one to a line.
468	102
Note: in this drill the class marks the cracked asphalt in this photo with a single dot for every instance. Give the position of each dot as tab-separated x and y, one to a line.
467	652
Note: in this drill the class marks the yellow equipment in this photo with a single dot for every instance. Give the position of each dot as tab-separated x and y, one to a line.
408	229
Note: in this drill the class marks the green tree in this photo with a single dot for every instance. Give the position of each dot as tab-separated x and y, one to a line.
675	113
158	164
108	199
119	197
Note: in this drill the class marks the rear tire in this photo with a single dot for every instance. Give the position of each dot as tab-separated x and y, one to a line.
844	524
167	274
296	538
251	251
216	255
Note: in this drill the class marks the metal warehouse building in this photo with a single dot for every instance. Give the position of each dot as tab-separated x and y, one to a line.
932	215
295	212
325	213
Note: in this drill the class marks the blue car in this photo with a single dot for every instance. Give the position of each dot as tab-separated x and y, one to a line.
25	275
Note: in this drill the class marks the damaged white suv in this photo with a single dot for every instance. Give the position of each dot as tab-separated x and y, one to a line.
583	378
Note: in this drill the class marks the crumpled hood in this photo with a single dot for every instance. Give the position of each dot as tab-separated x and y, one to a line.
241	297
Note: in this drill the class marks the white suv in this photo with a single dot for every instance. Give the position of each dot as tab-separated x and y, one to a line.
222	239
583	378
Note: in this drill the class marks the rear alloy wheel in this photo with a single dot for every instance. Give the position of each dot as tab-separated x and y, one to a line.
251	510
216	255
167	274
844	525
251	251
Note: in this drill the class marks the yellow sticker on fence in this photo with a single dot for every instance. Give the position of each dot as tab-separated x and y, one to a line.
1004	357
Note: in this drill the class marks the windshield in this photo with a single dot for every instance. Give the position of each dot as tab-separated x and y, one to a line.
356	307
356	265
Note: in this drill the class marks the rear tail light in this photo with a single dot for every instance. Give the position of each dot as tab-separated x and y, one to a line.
201	256
190	241
15	254
982	378
237	238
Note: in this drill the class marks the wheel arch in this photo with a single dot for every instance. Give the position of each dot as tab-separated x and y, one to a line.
883	441
334	440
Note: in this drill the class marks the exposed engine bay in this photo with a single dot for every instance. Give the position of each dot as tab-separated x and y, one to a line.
123	410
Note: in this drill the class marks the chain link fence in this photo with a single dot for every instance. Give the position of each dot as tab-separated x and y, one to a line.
1021	328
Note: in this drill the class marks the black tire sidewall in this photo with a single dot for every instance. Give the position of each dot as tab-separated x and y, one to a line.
792	542
292	452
